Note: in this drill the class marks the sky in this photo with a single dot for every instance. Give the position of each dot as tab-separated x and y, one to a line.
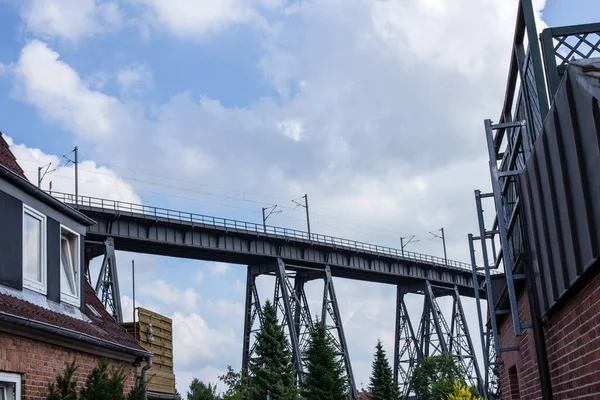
374	108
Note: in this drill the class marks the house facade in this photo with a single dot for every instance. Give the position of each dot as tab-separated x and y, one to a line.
49	314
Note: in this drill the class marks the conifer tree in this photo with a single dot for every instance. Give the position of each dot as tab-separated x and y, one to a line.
66	385
382	385
103	383
325	373
271	368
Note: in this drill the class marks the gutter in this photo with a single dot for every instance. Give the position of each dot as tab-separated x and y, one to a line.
71	334
144	378
33	190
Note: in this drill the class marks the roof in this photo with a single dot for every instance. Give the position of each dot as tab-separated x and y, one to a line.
102	327
8	159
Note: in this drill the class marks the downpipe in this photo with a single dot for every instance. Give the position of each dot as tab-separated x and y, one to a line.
144	376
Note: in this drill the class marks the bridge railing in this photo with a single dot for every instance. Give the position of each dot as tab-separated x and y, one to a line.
250	227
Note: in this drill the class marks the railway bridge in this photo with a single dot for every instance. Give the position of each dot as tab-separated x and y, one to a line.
293	257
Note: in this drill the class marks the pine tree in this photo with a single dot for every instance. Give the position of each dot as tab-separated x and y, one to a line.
66	385
271	368
325	373
382	385
103	384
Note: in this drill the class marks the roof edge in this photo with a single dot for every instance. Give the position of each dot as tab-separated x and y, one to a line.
43	196
48	328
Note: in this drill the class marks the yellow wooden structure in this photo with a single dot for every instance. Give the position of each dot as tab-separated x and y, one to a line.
155	333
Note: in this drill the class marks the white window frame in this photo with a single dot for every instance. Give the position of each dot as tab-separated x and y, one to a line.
65	296
15	379
40	287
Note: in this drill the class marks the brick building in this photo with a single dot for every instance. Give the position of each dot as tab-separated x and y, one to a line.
49	314
546	193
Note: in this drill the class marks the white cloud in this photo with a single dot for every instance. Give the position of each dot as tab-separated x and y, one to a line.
196	19
186	300
94	180
291	129
195	340
58	92
70	20
467	37
220	268
135	78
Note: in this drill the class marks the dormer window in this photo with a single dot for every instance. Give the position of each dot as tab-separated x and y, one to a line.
69	266
34	250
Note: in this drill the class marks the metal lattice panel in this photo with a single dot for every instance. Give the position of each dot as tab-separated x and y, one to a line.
577	46
564	44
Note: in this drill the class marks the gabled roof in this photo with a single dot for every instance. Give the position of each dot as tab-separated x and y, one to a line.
11	171
8	159
101	331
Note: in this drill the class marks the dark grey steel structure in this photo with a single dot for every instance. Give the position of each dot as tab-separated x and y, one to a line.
530	180
293	258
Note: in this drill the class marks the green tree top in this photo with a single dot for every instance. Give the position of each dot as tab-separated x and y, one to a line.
271	368
382	385
434	378
325	373
200	391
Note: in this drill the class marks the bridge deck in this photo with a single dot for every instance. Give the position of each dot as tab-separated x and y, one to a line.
146	229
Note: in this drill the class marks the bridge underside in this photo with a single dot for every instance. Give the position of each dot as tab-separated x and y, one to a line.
141	234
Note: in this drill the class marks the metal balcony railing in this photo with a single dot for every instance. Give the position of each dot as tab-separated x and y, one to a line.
174	216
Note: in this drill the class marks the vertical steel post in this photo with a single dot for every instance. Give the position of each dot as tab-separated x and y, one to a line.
133	291
502	229
264	220
76	176
307	216
444	242
486	267
477	299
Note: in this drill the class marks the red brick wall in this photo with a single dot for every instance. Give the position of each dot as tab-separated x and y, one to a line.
524	360
573	343
39	363
572	336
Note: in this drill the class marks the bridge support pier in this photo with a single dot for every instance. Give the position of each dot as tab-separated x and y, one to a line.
407	353
107	286
436	337
291	301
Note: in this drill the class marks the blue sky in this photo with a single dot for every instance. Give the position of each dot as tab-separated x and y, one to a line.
372	108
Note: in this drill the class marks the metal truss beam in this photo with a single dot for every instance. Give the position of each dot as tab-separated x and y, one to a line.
107	286
461	345
286	300
407	353
433	329
331	309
